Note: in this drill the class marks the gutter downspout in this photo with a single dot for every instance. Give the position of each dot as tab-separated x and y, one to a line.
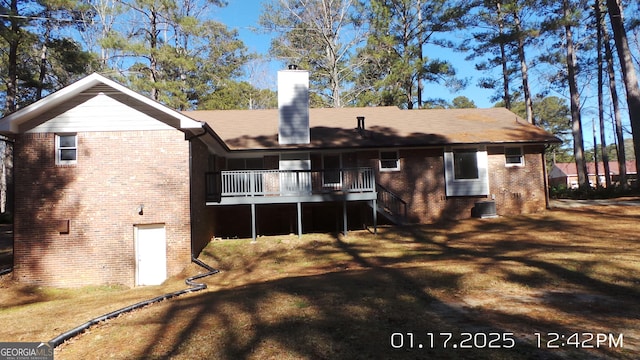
189	138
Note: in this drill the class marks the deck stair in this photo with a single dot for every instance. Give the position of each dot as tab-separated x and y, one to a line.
391	206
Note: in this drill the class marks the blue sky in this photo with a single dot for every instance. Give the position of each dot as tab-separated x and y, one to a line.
243	15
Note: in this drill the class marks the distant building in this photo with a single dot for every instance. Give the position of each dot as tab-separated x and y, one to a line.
566	174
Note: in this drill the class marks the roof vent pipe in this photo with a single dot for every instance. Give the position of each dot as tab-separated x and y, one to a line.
360	122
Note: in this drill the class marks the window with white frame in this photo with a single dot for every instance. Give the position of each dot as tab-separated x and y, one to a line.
466	172
389	160
513	156
66	149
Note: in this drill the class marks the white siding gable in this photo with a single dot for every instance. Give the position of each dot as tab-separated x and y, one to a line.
100	113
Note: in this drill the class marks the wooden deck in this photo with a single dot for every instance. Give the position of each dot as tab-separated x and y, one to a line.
289	186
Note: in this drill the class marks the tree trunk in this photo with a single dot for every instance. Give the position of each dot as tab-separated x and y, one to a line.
153	61
43	59
576	123
12	68
622	157
334	75
504	60
603	144
43	70
523	68
421	55
628	74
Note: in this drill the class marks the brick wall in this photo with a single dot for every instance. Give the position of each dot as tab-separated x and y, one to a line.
203	217
517	190
99	196
421	183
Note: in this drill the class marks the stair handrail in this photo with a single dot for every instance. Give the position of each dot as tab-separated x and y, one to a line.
391	202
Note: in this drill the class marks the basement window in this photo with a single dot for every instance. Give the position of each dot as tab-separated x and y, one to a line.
389	161
66	149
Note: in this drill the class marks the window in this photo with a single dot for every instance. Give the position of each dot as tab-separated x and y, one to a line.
331	176
465	164
245	164
513	156
66	149
466	172
389	161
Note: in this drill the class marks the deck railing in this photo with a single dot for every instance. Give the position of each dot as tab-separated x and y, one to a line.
288	182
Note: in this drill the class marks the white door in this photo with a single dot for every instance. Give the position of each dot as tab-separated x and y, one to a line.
151	254
295	182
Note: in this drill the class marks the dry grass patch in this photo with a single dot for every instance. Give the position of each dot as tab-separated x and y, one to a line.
330	297
35	313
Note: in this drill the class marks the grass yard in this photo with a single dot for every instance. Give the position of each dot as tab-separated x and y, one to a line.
431	291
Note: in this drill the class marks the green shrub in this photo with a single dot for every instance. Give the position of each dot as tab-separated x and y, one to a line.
561	192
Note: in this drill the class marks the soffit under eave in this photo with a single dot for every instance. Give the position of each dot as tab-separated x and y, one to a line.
213	144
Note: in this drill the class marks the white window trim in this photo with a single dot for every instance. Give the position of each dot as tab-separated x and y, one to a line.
521	163
466	187
388	169
59	149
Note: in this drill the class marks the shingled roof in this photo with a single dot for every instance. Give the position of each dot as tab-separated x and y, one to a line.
384	127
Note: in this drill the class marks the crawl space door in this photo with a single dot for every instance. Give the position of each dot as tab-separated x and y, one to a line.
151	254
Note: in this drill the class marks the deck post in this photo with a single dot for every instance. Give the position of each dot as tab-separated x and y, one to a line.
299	206
374	206
253	222
344	216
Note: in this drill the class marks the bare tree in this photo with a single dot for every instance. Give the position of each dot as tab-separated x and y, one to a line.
319	35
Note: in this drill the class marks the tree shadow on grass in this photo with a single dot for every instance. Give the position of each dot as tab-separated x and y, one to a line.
355	314
419	287
354	318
